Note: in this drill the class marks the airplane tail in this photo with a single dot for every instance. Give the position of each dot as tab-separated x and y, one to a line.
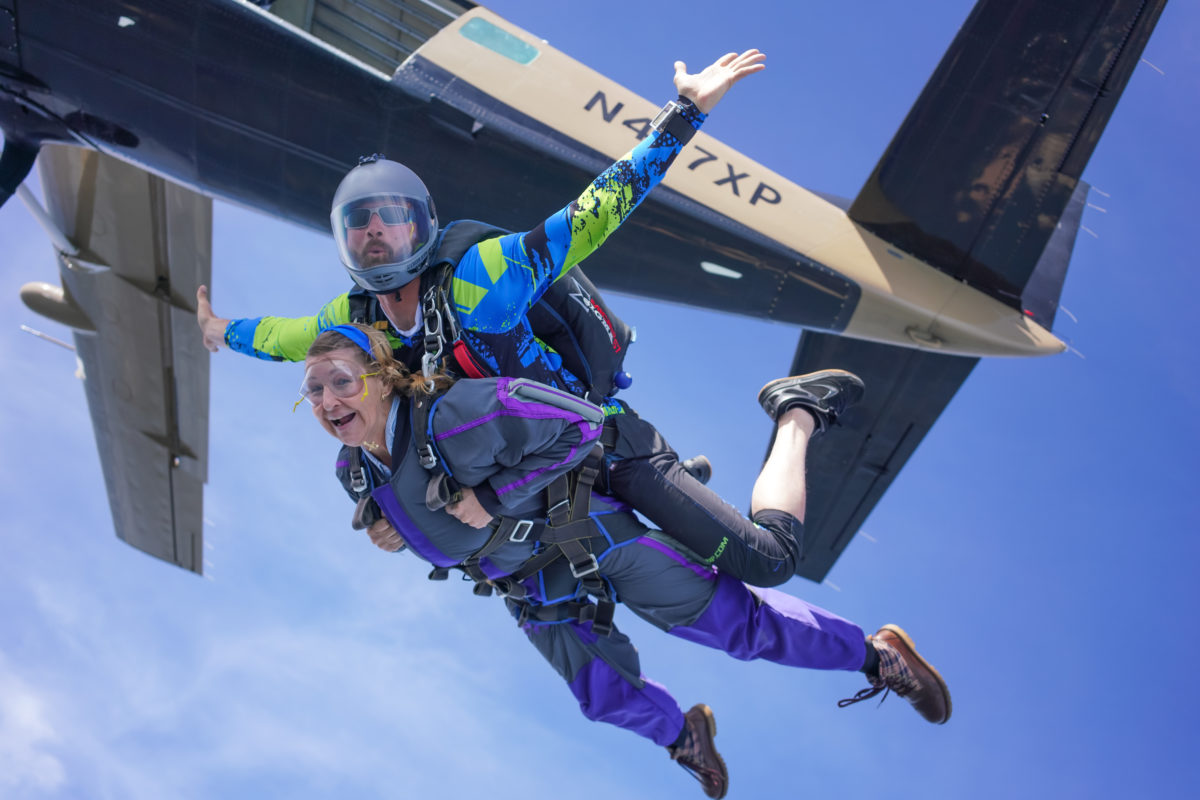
988	162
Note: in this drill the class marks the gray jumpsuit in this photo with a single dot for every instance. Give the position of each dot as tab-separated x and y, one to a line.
491	436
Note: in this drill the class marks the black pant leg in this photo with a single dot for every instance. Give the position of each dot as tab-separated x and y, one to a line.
645	472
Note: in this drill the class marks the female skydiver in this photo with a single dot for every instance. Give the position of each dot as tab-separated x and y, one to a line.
514	438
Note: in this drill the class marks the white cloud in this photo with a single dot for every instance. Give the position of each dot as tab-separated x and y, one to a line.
25	735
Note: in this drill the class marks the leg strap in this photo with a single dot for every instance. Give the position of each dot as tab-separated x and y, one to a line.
600	614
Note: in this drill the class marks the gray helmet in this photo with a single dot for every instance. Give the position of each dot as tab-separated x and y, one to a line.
384	224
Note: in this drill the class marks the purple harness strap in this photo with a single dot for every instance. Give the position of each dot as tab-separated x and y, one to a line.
408	529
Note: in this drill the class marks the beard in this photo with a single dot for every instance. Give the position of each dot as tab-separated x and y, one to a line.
373	259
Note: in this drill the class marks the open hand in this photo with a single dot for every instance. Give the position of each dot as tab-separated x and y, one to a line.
212	327
708	86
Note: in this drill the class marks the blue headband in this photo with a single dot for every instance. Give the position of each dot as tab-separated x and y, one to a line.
355	335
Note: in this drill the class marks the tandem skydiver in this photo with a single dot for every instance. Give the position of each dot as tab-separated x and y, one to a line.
388	237
562	566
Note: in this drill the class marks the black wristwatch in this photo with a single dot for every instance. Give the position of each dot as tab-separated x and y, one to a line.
676	119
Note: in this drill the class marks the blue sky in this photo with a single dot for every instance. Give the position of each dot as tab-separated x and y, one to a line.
1040	546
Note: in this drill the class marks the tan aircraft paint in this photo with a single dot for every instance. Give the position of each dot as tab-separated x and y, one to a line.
904	301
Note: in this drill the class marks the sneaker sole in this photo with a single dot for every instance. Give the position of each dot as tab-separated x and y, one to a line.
711	722
795	380
912	648
812	376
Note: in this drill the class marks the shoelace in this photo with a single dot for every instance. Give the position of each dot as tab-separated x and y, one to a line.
689	757
709	778
894	675
865	694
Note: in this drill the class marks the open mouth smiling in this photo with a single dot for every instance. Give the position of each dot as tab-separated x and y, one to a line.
341	421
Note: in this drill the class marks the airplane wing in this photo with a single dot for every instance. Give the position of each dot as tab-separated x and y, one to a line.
144	246
976	178
379	33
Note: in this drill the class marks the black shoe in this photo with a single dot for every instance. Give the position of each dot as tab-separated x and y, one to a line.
698	753
699	467
826	395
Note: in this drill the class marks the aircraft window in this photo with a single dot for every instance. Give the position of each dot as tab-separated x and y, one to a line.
498	41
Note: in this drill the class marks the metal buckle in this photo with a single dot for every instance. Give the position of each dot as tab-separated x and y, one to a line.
521	532
426	456
358	480
595	567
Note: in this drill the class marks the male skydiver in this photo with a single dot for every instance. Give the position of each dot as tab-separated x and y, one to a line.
387	235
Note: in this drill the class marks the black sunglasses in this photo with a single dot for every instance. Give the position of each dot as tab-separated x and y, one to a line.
388	215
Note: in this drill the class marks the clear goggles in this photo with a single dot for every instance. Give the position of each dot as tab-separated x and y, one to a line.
343	379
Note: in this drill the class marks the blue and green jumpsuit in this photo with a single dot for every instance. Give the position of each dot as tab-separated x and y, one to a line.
495	284
491	436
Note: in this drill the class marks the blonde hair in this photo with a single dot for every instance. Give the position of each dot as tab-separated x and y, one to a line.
391	372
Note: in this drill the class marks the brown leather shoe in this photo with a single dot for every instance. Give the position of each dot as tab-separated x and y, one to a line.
698	753
903	671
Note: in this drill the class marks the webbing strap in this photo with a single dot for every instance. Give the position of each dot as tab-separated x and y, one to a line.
466	361
558	499
358	475
581	501
506	529
420	408
608	434
600	614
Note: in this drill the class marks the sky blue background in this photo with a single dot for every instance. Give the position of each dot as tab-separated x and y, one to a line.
1040	546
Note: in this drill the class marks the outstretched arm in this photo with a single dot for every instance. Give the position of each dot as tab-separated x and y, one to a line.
269	338
498	281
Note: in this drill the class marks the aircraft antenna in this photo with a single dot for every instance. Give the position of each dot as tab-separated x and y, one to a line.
47	337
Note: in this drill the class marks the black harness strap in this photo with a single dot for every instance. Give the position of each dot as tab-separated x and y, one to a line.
505	529
570	534
427	455
599	614
366	510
